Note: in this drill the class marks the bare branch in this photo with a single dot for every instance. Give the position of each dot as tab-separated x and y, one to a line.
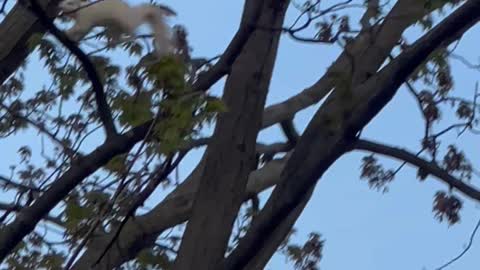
222	66
470	243
372	47
429	167
288	128
104	111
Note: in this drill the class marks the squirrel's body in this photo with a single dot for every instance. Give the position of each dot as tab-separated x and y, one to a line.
118	18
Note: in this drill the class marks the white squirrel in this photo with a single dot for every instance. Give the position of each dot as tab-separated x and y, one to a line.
119	18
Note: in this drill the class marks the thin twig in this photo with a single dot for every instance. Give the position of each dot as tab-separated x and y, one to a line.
470	243
166	169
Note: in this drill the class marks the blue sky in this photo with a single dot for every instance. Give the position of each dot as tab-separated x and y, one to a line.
364	229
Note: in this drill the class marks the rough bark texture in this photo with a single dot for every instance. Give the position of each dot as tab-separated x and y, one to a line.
230	156
263	256
19	25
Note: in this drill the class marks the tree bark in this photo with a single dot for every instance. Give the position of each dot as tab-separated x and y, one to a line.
230	156
367	53
19	25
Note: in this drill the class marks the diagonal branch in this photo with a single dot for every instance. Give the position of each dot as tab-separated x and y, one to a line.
369	49
104	111
28	217
464	251
429	167
289	130
235	47
173	210
324	141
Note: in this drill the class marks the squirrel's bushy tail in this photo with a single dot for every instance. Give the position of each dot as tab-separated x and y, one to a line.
156	17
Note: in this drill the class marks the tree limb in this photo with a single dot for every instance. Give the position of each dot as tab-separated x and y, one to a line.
324	141
369	50
19	25
429	167
235	47
27	218
288	128
173	210
104	111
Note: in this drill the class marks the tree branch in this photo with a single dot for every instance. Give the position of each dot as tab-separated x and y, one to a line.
28	217
429	167
369	49
19	25
173	210
15	208
464	251
324	141
104	111
288	128
235	47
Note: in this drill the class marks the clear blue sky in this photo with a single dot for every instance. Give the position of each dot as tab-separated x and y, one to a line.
364	229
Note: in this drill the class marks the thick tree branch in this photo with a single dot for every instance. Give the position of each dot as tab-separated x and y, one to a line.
173	210
235	47
429	167
288	128
368	50
27	218
15	208
103	108
324	141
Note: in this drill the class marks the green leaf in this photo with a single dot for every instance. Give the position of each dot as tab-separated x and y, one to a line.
74	213
135	110
215	105
116	164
